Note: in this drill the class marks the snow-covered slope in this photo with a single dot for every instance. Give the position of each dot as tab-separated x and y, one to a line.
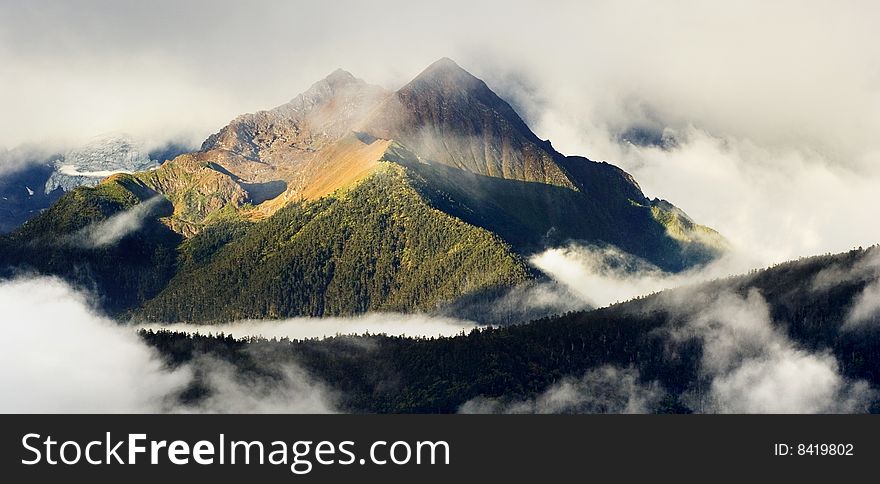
31	179
101	157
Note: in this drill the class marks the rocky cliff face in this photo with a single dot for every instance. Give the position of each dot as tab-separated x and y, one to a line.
448	116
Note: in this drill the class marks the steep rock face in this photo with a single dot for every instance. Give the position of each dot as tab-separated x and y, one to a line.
259	162
446	115
324	113
283	144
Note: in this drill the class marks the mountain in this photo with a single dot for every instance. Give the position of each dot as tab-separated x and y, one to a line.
342	254
101	157
22	195
450	117
352	198
35	178
758	342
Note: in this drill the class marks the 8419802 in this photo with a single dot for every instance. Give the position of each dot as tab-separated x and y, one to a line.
814	449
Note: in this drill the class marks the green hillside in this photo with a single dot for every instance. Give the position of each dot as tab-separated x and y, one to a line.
59	242
375	247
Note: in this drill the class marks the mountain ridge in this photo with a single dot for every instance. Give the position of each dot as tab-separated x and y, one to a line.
460	153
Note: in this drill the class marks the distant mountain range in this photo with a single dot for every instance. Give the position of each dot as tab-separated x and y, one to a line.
38	178
347	199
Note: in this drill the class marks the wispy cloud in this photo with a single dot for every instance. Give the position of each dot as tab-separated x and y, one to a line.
866	308
393	324
600	276
58	355
114	228
603	390
752	364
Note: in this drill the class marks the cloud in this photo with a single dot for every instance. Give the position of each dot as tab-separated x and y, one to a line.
230	391
21	157
866	308
600	276
394	324
748	365
801	72
789	381
753	366
603	390
865	269
771	203
767	134
114	228
57	355
532	300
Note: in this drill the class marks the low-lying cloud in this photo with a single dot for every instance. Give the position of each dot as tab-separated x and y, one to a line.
866	308
114	228
753	366
392	324
230	391
603	390
57	355
600	276
771	203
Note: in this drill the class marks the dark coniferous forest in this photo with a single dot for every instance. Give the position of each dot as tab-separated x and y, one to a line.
377	373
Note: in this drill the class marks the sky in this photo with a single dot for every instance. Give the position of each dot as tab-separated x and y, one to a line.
769	109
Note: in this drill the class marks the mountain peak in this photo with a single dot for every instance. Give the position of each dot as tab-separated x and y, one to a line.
340	76
445	63
448	116
446	73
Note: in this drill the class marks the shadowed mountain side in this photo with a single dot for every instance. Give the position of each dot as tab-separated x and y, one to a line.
261	192
532	216
22	196
72	240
